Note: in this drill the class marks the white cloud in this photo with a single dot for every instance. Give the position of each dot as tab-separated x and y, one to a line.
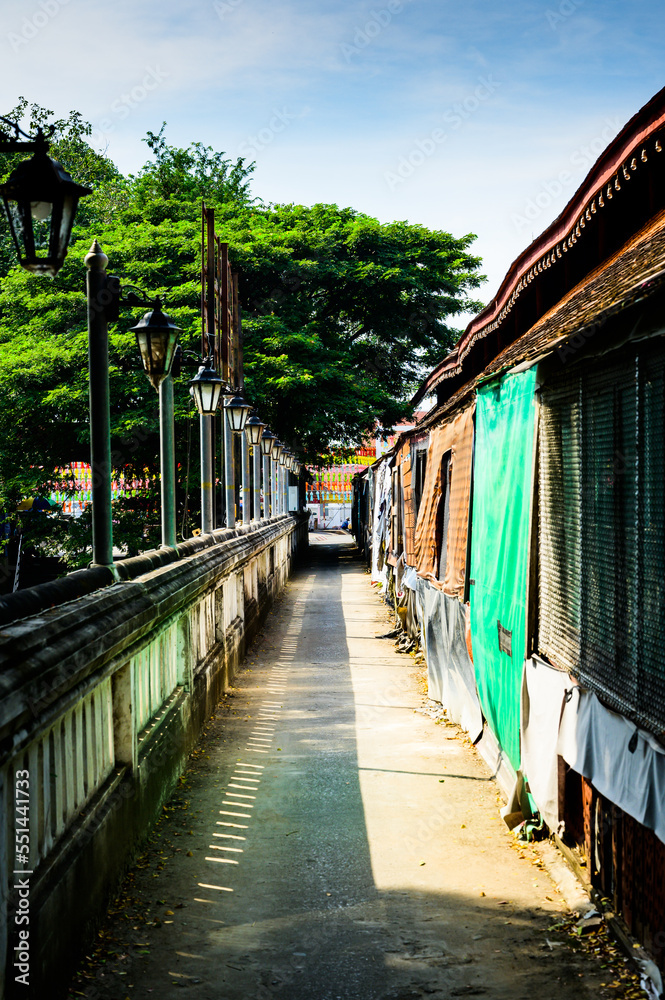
221	75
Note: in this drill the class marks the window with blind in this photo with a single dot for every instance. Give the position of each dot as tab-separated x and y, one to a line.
601	567
443	515
408	511
419	465
396	514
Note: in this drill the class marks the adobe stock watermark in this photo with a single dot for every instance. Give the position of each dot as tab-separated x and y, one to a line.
31	26
571	345
567	7
550	190
123	106
365	35
455	117
278	123
225	7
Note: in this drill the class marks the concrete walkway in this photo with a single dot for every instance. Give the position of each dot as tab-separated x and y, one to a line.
333	843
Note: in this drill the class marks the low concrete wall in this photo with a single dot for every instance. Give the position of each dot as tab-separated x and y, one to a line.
101	699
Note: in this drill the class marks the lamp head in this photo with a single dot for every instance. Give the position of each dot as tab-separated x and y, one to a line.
237	412
40	200
157	337
267	441
254	430
206	388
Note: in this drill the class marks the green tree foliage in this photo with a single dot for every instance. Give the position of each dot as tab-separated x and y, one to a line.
177	180
342	315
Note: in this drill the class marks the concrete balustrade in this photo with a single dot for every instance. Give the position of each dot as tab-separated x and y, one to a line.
101	698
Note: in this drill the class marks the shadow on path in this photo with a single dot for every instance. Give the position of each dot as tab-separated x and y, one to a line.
330	845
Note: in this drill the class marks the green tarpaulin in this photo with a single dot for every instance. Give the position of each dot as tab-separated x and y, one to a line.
499	547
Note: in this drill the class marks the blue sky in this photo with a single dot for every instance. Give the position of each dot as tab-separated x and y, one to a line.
454	115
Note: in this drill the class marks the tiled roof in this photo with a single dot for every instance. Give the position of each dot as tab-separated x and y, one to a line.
631	158
634	273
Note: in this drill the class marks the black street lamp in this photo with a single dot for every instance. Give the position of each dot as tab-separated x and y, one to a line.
157	337
267	441
206	388
277	448
284	462
40	200
237	411
253	433
254	430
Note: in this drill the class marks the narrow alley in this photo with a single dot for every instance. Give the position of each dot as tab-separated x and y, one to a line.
330	841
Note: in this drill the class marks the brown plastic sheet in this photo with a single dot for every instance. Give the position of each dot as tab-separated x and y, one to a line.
455	436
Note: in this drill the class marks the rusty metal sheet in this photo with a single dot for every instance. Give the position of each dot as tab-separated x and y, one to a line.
455	436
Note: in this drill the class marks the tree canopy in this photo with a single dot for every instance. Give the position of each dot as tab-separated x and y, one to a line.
342	315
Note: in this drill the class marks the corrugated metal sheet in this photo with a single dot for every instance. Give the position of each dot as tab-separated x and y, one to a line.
456	436
409	509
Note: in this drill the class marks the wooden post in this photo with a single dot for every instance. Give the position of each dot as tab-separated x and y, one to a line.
237	318
210	274
224	311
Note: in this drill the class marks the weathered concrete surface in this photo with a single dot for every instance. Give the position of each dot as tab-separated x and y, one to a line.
334	843
101	699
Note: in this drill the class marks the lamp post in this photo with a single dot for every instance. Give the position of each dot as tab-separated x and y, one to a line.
254	432
287	466
267	442
277	450
40	199
296	472
206	388
157	337
282	470
290	460
245	491
100	415
237	411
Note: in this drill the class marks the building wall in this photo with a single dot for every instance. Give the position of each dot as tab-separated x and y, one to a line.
565	658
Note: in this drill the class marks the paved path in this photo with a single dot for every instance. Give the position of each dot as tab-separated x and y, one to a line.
342	846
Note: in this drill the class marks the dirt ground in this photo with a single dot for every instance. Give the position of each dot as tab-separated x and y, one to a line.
332	841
